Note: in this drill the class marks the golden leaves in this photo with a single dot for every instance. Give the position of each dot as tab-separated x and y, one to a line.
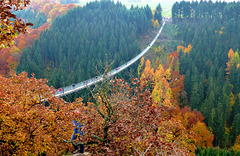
159	79
236	146
27	125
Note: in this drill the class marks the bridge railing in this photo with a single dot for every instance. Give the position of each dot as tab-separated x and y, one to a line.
81	85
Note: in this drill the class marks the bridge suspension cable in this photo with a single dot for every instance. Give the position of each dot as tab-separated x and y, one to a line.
84	84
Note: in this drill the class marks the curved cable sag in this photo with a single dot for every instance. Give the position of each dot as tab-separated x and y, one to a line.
81	85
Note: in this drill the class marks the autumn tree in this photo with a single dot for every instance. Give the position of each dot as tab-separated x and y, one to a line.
167	86
28	125
193	121
166	82
162	93
122	120
184	49
233	60
147	74
10	25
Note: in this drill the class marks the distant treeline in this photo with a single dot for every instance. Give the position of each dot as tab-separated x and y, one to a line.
84	38
211	69
205	9
35	17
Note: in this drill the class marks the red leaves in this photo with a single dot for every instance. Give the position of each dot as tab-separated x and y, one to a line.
136	124
22	41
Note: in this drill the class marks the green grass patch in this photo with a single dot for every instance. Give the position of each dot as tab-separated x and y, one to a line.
167	38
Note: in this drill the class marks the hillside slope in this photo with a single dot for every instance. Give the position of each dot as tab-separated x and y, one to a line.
82	39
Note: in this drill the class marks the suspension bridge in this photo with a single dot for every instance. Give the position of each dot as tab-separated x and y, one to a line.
87	83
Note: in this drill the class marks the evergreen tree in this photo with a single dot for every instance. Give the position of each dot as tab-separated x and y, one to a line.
158	13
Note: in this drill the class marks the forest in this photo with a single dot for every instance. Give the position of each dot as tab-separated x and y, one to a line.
40	13
86	37
211	68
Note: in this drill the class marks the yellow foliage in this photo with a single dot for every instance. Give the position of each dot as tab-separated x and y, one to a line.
189	48
232	101
236	146
168	74
156	24
162	92
180	48
172	130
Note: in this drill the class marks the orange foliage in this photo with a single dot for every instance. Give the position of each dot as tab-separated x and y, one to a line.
230	54
7	61
193	121
176	80
147	74
204	137
233	58
27	126
185	50
11	55
122	120
51	9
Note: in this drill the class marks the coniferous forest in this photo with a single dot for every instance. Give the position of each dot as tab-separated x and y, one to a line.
211	68
37	18
84	38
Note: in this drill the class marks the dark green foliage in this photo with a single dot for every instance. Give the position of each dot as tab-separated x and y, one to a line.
236	125
158	13
214	152
37	18
212	29
86	38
